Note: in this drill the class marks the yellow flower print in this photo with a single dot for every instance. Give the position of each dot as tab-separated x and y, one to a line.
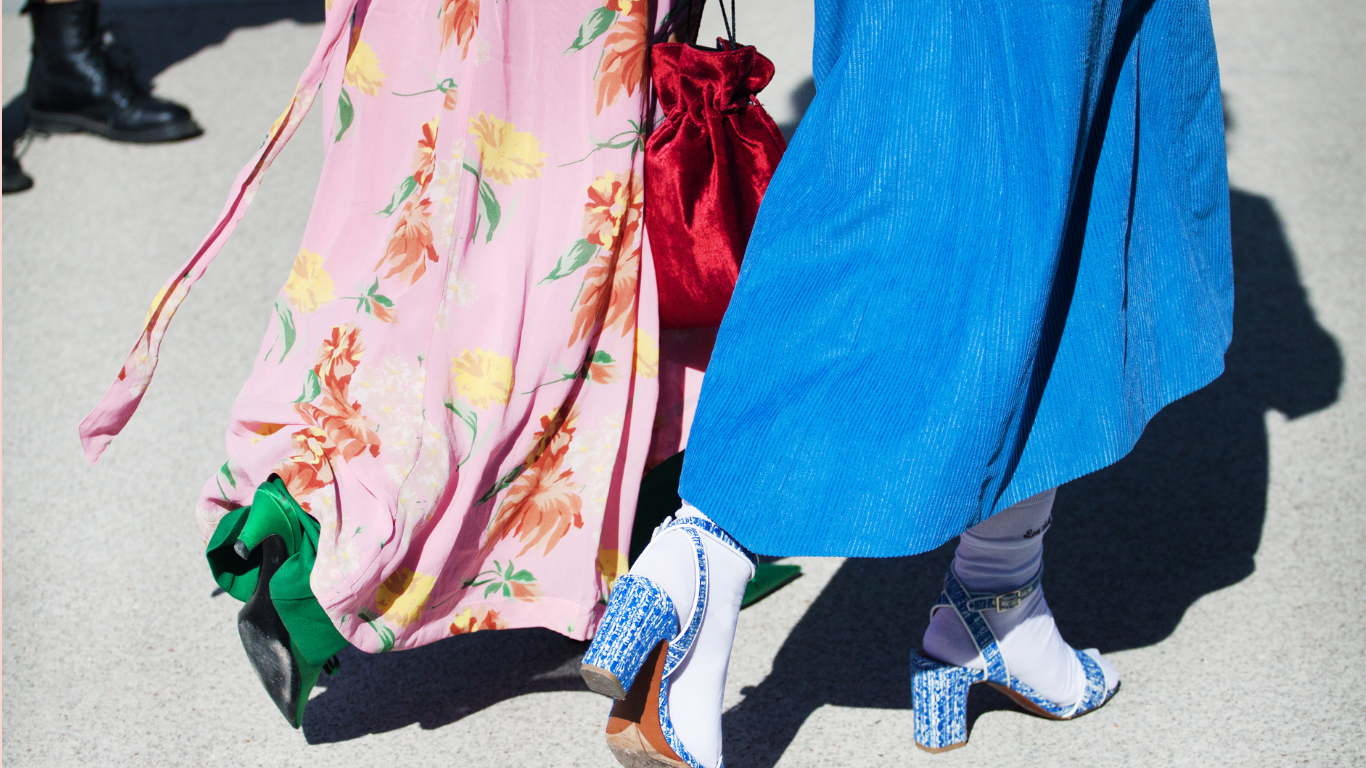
362	69
279	121
402	596
505	153
309	286
483	378
611	564
647	355
161	294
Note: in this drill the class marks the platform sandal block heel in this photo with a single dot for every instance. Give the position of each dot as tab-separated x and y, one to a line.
939	703
640	643
639	617
939	691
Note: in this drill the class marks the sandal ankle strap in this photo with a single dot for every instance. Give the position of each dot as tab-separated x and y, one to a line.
969	607
981	601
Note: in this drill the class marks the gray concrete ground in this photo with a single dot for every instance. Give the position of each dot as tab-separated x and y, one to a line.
1220	566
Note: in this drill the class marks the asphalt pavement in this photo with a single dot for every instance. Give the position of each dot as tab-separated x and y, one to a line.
1221	567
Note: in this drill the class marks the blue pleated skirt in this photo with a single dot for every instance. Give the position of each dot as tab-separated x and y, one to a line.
997	246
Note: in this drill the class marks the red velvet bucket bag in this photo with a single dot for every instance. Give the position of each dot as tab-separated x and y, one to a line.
707	163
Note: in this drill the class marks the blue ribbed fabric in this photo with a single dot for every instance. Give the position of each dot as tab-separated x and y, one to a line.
998	244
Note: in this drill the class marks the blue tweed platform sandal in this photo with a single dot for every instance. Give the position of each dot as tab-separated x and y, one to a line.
639	644
939	692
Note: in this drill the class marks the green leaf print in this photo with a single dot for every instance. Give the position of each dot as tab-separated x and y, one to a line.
502	483
405	188
602	358
386	635
228	473
597	22
633	138
574	258
470	418
312	387
380	299
366	299
345	114
287	328
489	207
564	376
500	579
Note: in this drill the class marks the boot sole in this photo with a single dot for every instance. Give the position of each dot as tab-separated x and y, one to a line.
60	122
17	184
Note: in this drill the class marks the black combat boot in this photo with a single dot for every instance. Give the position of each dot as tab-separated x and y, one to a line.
81	79
15	178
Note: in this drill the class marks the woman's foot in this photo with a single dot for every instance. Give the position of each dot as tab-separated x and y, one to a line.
997	556
671	714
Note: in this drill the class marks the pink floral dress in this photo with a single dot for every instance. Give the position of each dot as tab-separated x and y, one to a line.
460	379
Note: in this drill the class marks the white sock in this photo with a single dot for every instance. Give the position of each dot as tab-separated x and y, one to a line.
1000	554
699	684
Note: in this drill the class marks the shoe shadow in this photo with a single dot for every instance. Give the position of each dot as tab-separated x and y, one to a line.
441	683
161	33
1133	546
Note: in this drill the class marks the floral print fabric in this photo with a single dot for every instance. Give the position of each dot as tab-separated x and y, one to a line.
460	377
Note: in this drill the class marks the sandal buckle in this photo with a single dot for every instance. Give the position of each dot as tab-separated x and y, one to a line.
1010	600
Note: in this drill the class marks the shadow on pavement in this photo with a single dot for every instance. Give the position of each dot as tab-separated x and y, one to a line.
1133	546
441	683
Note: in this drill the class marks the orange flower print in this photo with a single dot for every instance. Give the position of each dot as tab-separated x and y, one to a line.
337	359
458	18
612	213
623	7
383	313
556	428
477	618
622	68
410	246
608	295
452	99
338	423
541	505
594	295
308	470
348	430
527	593
424	157
603	373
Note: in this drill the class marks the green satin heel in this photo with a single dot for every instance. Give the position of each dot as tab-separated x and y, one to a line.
263	555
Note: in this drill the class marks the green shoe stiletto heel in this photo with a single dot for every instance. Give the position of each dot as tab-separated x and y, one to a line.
284	672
